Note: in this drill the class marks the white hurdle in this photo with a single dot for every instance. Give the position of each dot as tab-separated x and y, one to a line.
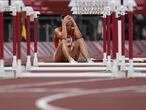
12	69
64	67
68	70
69	74
71	64
16	70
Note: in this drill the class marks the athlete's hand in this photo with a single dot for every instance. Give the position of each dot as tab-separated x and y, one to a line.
64	21
71	18
73	21
66	18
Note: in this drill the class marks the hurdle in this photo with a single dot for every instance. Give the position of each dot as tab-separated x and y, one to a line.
118	53
106	12
69	74
14	10
75	67
16	69
71	64
31	17
57	67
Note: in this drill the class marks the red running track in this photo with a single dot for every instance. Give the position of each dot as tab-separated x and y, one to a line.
73	93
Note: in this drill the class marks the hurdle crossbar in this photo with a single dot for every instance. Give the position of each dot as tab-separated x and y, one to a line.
67	68
70	64
88	74
135	64
137	59
140	68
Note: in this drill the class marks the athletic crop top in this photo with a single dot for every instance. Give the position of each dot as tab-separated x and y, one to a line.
70	39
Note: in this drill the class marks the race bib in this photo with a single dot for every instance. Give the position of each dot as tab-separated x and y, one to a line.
69	41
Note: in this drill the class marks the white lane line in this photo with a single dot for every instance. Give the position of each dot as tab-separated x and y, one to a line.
44	103
14	86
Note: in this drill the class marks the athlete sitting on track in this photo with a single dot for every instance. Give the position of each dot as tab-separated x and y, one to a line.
66	48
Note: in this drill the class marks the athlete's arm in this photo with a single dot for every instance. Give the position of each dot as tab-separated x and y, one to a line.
77	32
62	34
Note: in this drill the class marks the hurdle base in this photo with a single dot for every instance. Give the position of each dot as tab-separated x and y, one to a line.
118	57
130	69
108	66
115	69
35	60
18	73
2	74
2	71
9	74
28	64
123	66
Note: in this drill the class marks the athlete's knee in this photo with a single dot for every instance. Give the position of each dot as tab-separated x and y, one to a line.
62	42
80	40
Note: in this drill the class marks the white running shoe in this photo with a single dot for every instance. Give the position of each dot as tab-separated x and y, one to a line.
89	60
72	61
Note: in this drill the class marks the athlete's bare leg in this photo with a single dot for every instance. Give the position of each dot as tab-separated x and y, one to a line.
58	55
80	47
62	53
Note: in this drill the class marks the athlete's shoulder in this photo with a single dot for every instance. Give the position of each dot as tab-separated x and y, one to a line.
58	29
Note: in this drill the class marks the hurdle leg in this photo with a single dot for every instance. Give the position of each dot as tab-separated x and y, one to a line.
115	71
1	44
119	41
28	63
19	69
35	23
130	69
108	41
2	72
19	66
104	38
130	33
14	63
123	66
